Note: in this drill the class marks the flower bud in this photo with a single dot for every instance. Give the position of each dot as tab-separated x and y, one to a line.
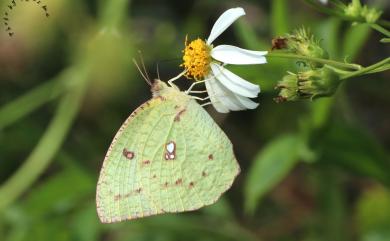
308	84
302	43
371	15
288	88
362	13
353	9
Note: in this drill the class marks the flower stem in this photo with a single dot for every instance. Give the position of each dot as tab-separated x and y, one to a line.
22	106
48	145
380	29
318	60
384	23
385	40
369	69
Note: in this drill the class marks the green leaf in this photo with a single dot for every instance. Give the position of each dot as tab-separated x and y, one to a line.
373	215
385	40
221	209
85	225
354	39
60	192
332	203
329	33
270	166
350	147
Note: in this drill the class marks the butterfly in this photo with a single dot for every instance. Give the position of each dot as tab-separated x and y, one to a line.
169	156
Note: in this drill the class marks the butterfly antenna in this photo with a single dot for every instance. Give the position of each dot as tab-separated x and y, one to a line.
163	61
143	65
142	74
158	71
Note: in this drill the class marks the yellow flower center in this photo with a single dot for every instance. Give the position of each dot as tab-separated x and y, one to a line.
196	59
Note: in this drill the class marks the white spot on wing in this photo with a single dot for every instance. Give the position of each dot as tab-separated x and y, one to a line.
171	147
170	153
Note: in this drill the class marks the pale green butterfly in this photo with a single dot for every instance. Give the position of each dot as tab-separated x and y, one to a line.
169	156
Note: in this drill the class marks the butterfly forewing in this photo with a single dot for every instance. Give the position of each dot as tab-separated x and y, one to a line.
169	156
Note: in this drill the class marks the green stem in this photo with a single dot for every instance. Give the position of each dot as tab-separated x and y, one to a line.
380	29
47	146
382	68
324	9
24	105
384	23
279	17
369	69
340	14
318	60
339	71
113	13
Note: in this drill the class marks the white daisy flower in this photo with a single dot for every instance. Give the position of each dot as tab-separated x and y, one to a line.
205	63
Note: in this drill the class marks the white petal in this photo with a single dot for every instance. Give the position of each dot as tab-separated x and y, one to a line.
248	103
224	21
215	101
234	82
219	98
222	99
234	55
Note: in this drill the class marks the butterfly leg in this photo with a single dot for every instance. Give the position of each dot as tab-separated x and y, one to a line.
197	91
199	98
197	82
170	82
205	104
192	86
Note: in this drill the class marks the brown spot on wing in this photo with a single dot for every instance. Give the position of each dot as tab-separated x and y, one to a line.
177	117
128	195
179	181
191	184
128	154
211	157
146	162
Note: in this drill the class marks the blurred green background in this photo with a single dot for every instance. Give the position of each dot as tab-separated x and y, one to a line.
310	170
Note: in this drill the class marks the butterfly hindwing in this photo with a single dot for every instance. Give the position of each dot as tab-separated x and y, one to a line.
169	156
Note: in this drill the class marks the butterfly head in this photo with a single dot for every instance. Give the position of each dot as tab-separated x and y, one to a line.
160	88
